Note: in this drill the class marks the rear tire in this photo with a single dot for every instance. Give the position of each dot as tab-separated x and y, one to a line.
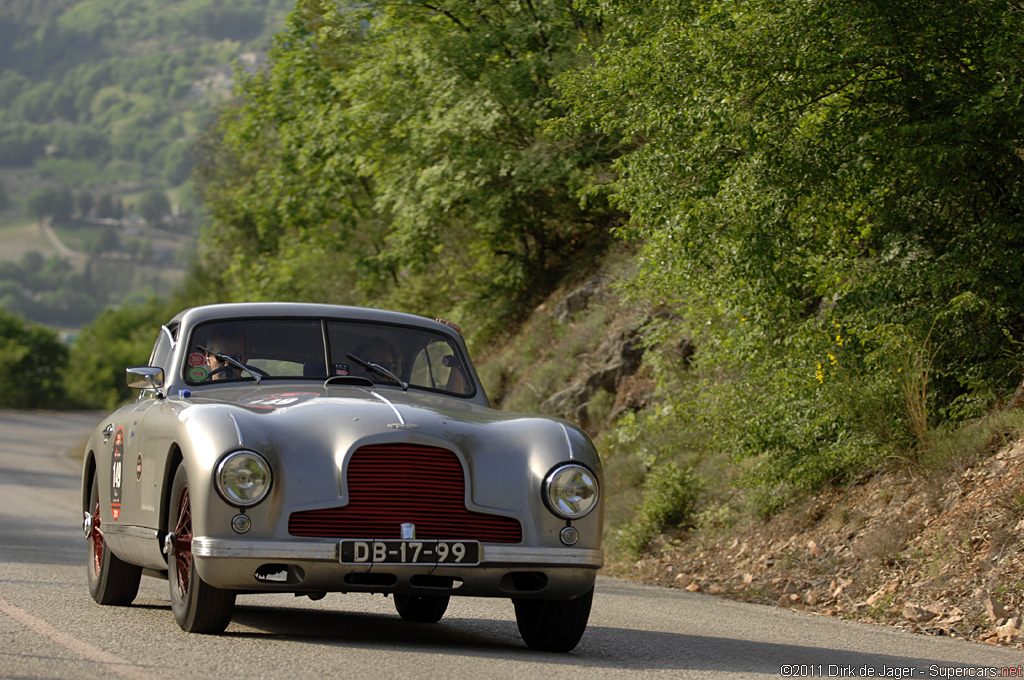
553	625
421	608
112	581
198	607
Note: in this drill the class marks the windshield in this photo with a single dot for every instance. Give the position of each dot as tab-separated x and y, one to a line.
316	349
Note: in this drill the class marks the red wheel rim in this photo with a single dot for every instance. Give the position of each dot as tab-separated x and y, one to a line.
96	539
182	542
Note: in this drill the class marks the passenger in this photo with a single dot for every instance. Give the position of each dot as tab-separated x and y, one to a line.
458	382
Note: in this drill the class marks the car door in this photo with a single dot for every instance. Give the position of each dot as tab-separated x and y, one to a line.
137	463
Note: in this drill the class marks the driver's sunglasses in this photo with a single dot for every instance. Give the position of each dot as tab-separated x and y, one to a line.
236	357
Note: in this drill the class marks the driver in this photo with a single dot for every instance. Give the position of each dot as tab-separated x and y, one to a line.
230	341
381	351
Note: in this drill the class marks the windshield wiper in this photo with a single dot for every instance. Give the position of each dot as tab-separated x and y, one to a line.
378	369
224	358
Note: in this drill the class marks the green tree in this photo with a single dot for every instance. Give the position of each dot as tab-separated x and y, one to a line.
33	363
21	144
12	84
154	206
109	206
410	138
108	242
37	103
814	175
178	163
117	339
85	202
57	203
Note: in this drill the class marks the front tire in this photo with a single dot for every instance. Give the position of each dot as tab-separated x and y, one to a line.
112	581
553	625
421	608
198	607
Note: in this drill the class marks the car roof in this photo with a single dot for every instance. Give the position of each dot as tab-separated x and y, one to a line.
241	310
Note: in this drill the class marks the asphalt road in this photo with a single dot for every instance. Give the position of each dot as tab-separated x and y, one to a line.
51	628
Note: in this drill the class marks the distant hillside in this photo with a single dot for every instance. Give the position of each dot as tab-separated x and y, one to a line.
100	101
103	92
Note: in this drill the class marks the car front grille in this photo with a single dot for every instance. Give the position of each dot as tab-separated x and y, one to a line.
390	484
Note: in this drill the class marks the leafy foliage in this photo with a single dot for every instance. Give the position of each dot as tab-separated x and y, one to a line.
33	362
669	501
153	206
118	338
827	198
100	102
52	291
53	202
805	168
48	290
115	85
406	143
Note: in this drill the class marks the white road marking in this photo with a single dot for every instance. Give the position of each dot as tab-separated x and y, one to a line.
76	646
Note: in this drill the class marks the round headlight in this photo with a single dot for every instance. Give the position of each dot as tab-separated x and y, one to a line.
571	491
243	478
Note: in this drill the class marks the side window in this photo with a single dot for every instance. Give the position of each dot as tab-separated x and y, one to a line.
161	355
438	367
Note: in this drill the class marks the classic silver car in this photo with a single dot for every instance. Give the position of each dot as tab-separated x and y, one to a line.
307	449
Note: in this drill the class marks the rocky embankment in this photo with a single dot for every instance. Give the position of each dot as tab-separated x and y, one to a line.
937	557
939	554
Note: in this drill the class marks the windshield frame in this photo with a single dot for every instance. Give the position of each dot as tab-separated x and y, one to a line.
429	357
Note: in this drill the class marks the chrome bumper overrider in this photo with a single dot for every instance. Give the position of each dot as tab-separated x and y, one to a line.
492	555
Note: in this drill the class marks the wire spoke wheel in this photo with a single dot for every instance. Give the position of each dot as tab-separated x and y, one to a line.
112	581
96	538
182	542
198	607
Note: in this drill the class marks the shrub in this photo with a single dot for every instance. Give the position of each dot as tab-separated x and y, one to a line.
32	361
669	500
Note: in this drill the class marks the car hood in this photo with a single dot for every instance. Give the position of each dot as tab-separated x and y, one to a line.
379	407
316	430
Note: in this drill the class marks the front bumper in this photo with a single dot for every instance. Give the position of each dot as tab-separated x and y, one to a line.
289	566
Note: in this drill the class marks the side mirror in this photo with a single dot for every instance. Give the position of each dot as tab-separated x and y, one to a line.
145	377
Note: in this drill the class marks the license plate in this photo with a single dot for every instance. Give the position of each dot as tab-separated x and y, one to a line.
410	552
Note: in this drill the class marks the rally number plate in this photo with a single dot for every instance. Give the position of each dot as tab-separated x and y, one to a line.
410	552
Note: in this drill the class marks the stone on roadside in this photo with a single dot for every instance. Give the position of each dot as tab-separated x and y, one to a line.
1008	630
919	614
995	609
